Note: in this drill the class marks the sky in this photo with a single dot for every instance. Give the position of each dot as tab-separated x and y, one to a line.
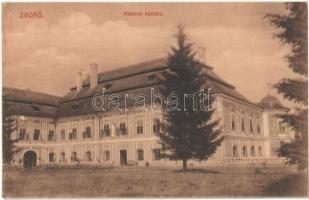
44	54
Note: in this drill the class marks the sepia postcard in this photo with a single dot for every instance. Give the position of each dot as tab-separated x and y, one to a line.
163	100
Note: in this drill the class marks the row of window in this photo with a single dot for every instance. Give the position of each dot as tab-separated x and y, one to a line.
242	125
105	132
245	151
106	156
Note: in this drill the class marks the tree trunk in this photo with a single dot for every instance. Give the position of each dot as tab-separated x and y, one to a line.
184	164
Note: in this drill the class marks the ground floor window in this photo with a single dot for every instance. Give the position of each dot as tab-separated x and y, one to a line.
88	156
62	157
51	157
157	154
244	151
107	156
252	151
140	155
235	151
73	156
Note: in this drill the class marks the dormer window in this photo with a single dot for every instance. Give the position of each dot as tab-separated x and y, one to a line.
75	106
107	86
151	77
35	108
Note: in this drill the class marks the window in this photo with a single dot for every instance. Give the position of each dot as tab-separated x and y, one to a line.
233	122
51	157
62	134
36	135
106	131
260	151
72	135
151	77
123	129
258	129
244	151
139	127
88	156
73	156
62	157
87	133
107	156
22	134
35	108
251	127
281	127
157	154
235	151
242	124
51	135
140	155
252	151
156	126
75	106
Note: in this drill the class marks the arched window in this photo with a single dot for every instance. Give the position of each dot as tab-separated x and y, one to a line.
252	151
88	156
244	151
260	151
140	155
107	156
73	156
235	151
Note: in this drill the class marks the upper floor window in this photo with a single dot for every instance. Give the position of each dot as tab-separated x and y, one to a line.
281	127
51	135
140	155
251	126
233	125
242	124
123	129
35	108
36	135
106	131
156	126
22	134
87	133
258	129
235	151
139	127
62	134
73	134
62	157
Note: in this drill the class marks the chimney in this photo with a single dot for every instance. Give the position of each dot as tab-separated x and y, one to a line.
79	81
93	73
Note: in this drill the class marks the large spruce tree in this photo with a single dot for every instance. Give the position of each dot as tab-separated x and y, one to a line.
188	131
293	32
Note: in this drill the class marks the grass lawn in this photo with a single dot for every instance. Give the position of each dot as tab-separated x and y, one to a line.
154	182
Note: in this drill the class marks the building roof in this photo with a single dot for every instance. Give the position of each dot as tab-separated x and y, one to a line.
270	102
29	103
134	79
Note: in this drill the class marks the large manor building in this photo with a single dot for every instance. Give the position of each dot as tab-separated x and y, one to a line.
68	130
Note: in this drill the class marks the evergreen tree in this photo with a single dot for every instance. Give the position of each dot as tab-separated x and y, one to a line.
294	30
188	130
8	144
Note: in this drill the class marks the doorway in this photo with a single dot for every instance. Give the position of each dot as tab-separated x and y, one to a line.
123	157
29	159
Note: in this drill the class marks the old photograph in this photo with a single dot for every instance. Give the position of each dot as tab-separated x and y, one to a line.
170	99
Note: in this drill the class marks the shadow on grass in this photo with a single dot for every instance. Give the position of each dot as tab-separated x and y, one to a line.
197	171
290	185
